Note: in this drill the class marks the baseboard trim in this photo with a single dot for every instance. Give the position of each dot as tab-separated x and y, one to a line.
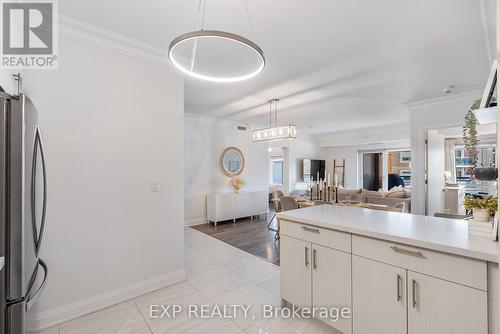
43	320
196	221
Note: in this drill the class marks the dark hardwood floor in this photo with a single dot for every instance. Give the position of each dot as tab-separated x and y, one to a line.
249	235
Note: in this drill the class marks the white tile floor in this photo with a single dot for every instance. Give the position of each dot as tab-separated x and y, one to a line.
217	273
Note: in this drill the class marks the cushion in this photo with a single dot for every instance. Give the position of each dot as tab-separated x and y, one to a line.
372	193
347	191
395	194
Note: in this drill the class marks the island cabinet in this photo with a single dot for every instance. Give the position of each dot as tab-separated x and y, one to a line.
402	289
391	288
316	269
379	297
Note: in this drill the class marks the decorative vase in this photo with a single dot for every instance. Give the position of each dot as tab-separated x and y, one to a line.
236	189
481	215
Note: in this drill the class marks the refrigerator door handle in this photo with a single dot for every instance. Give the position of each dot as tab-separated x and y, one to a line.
30	295
38	149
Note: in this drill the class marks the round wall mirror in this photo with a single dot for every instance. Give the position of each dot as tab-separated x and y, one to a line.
232	161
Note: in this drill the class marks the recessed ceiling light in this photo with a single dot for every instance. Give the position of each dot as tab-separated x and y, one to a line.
449	89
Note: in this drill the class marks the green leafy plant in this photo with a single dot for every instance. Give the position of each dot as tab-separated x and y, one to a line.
486	202
469	132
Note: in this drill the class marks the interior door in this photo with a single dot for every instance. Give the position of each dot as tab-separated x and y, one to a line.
331	281
368	171
372	173
295	265
435	172
378	298
436	306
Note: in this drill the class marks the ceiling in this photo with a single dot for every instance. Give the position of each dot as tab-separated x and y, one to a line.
335	65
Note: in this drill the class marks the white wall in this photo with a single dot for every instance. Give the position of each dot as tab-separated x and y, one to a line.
432	114
347	144
277	151
435	174
350	154
111	125
299	149
204	141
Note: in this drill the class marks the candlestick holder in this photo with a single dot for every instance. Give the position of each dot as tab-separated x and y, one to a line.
317	191
336	194
311	192
329	194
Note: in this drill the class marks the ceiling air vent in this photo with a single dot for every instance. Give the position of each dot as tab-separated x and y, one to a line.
242	128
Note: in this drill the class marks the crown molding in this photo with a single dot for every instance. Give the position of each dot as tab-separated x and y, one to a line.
214	119
87	33
209	119
477	93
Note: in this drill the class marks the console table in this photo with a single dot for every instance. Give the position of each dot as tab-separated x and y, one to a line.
231	206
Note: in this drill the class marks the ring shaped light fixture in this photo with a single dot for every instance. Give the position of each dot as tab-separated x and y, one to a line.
206	34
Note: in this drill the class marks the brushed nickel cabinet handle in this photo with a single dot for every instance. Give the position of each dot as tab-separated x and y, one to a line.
407	251
312	230
399	281
414	292
314	259
306	256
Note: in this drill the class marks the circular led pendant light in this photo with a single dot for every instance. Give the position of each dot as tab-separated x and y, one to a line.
202	37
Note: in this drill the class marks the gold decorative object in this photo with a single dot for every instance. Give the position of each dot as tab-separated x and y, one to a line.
237	183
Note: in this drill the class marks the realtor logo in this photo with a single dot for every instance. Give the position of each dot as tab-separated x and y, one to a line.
28	34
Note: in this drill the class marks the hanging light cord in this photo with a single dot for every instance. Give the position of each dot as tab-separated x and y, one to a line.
195	44
202	5
203	16
271	114
273	103
276	112
252	31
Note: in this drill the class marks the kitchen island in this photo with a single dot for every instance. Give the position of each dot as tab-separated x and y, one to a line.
399	273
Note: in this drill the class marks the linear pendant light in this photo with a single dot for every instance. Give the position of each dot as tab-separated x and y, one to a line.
274	132
200	35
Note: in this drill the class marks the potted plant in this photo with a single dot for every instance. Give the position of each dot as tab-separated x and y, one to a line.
482	208
469	132
480	173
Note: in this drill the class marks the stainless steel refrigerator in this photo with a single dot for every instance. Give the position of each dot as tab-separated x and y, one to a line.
23	203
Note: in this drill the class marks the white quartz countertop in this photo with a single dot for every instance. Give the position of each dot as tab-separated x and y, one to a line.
440	234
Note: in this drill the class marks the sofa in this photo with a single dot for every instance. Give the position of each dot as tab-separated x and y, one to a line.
390	198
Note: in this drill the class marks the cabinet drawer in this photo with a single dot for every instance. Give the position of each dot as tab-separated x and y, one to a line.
466	271
320	236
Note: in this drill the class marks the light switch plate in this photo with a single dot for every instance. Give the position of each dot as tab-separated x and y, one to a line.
155	186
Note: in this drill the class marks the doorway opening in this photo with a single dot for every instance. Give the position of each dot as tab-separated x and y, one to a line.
372	171
385	169
448	169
